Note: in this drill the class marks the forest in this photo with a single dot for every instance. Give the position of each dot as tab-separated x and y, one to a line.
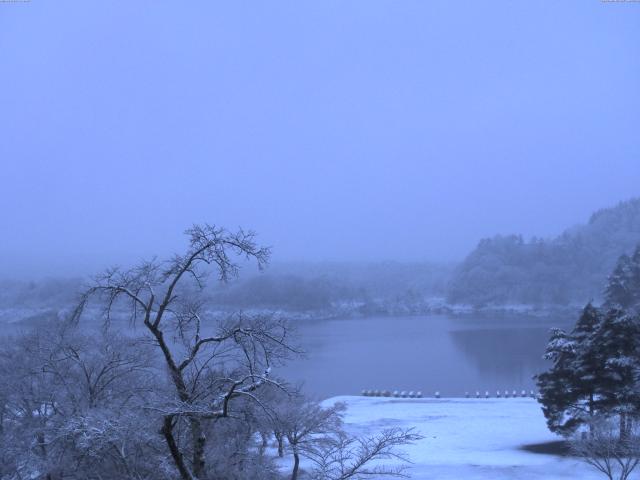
568	269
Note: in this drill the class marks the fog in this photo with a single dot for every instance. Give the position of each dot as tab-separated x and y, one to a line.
337	130
319	240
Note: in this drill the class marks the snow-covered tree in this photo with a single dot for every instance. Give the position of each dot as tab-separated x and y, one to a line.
307	426
603	449
563	403
595	371
210	365
623	287
617	341
75	408
345	457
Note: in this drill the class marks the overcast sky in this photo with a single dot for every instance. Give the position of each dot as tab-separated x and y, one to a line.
338	130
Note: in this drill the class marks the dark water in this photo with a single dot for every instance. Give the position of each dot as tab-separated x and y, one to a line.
449	354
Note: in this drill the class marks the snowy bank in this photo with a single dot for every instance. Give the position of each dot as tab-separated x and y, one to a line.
468	438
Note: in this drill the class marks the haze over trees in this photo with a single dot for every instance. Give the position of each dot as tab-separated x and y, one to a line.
361	287
191	397
326	289
503	270
570	268
623	287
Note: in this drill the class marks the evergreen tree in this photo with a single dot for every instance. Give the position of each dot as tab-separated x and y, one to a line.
556	398
623	286
568	390
595	371
587	366
617	340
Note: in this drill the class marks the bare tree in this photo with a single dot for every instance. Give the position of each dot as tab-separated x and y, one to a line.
344	457
307	427
97	369
602	448
208	368
317	433
32	398
74	406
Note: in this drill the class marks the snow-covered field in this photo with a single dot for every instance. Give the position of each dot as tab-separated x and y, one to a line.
468	439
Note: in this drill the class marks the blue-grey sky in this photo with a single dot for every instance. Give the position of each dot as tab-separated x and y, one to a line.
337	129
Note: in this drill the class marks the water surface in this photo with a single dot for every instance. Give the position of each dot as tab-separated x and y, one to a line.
449	354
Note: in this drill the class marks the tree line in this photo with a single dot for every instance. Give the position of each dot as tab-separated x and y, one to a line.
567	269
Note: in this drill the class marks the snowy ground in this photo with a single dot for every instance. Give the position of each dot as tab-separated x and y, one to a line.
468	439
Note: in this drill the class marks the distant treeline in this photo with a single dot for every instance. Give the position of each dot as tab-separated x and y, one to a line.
318	286
568	269
503	270
323	288
35	294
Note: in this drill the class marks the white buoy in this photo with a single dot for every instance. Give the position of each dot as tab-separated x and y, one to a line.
486	394
396	393
497	393
419	394
403	394
477	394
437	394
523	393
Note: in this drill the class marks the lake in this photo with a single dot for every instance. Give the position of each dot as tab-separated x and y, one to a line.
449	354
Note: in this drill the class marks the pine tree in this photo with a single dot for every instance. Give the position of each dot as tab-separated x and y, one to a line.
595	371
587	365
618	340
556	396
568	390
623	286
596	368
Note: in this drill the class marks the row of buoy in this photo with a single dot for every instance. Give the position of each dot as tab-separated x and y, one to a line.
387	393
411	394
505	394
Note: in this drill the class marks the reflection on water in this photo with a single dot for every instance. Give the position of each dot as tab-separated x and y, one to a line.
452	355
511	355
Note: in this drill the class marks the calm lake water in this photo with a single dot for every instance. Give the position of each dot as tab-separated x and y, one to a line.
449	354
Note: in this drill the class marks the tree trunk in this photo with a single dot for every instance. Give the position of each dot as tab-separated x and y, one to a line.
296	464
623	427
628	427
167	432
280	439
591	412
197	434
42	446
264	444
198	438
